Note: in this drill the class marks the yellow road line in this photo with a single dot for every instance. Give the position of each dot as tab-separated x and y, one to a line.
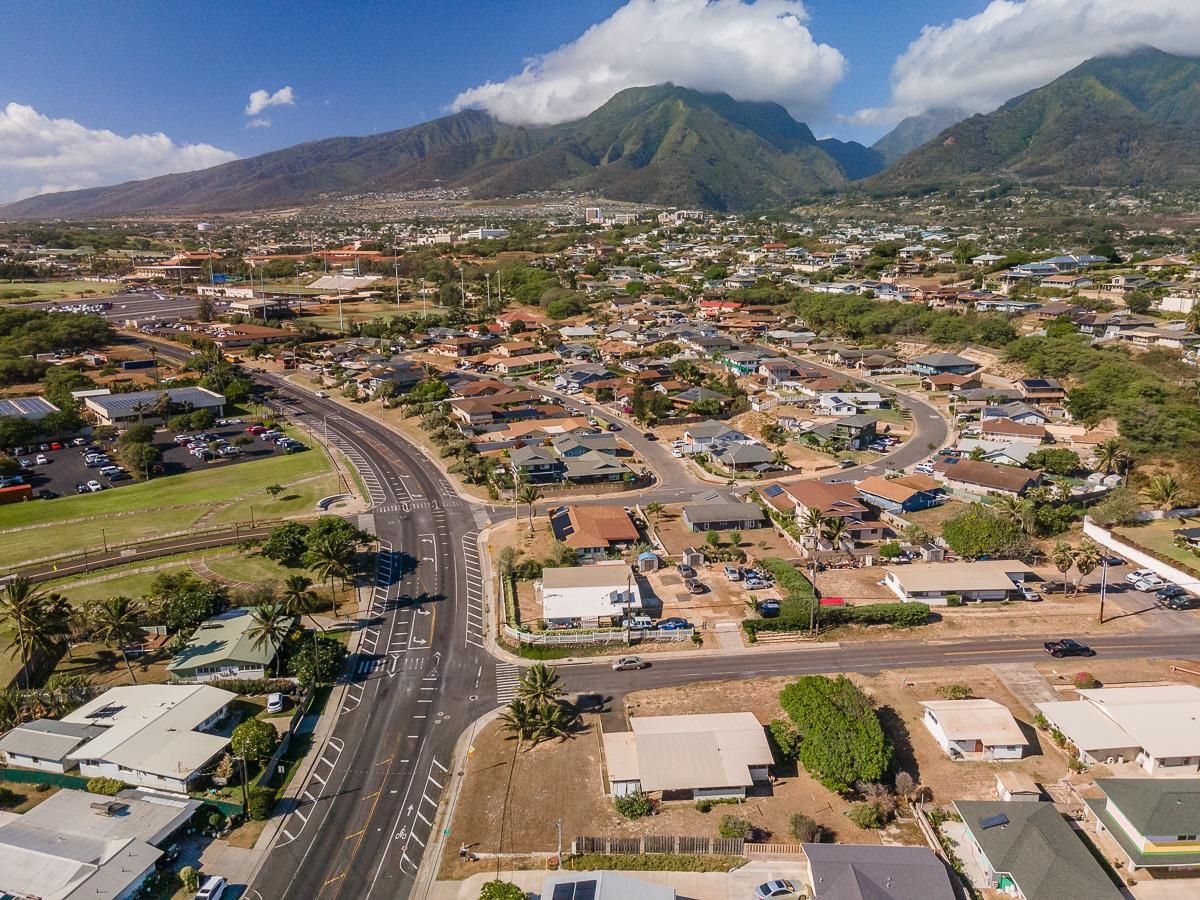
334	878
346	838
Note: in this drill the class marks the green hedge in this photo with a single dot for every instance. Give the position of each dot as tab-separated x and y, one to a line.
653	862
902	615
251	686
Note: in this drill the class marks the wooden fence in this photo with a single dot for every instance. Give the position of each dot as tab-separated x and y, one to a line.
692	846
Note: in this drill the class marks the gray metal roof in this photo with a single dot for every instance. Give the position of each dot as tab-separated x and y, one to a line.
865	872
723	512
33	408
47	738
124	404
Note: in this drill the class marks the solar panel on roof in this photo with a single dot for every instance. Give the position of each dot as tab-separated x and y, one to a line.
563	891
773	491
993	821
585	890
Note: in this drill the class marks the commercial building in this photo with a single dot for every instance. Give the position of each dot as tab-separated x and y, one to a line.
141	406
1156	727
222	647
688	757
588	597
80	846
33	409
602	885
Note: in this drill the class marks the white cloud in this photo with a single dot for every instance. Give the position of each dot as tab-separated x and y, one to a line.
259	123
752	51
260	100
39	154
1014	46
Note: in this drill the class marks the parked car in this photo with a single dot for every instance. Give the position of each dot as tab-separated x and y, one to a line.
732	573
1068	647
1183	601
212	889
755	584
82	488
637	622
769	609
924	468
46	494
1149	583
629	662
1053	587
677	453
1138	575
25	463
846	464
274	702
1166	593
780	887
674	623
1028	593
94	486
41	459
686	571
694	586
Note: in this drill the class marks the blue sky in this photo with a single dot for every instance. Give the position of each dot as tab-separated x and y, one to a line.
850	68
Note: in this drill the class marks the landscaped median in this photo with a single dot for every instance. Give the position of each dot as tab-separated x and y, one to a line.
800	609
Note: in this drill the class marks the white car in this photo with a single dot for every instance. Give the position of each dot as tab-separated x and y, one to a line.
1149	583
1133	577
212	889
274	702
677	453
41	459
94	486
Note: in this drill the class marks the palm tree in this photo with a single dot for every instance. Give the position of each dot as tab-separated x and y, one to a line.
834	528
117	621
811	522
331	558
1014	510
654	510
21	606
1087	557
1164	492
518	717
1063	557
551	720
531	495
540	684
1111	456
269	629
298	599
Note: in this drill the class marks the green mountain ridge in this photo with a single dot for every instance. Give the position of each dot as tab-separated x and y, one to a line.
661	145
1114	121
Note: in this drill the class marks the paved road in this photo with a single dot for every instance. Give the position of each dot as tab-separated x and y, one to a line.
365	815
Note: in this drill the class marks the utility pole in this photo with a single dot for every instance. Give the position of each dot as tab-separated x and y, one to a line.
1103	585
558	857
396	271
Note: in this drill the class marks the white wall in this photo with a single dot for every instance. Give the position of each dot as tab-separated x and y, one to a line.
1135	556
30	762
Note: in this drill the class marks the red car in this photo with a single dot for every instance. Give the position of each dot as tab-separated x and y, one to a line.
56	446
256	429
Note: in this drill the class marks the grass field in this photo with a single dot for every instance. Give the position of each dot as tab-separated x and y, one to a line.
226	494
1158	536
53	290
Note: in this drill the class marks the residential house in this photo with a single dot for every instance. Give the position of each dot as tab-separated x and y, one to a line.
1008	452
1028	850
723	516
933	583
977	729
588	596
458	347
975	477
571	446
1040	390
942	364
1017	411
535	465
949	382
690	757
908	493
839	500
594	467
46	744
739	362
594	531
223	647
1156	727
523	363
702	436
870	872
851	433
848	404
693	395
1156	822
1011	430
744	457
576	377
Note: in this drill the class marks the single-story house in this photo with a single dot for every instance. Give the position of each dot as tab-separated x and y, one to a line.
588	596
602	885
1157	727
850	403
1028	850
741	457
592	531
1156	822
1009	429
869	872
703	435
154	735
908	493
46	744
222	647
723	516
942	364
688	757
75	845
1016	410
991	579
974	729
137	406
977	477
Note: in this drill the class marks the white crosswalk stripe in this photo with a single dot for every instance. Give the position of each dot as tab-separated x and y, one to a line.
508	677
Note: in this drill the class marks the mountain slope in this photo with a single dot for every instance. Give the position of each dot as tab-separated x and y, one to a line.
913	131
1112	121
661	145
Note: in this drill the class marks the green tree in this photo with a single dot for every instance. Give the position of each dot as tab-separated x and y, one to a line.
803	829
274	490
254	740
299	599
654	509
1055	460
117	622
530	495
331	558
734	826
1165	492
139	457
1063	557
182	601
977	531
269	629
286	543
23	609
501	890
1087	557
315	659
540	684
520	718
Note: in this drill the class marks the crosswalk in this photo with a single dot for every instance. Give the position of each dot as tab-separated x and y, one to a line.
508	677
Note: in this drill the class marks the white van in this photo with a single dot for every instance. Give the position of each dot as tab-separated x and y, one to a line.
212	889
637	622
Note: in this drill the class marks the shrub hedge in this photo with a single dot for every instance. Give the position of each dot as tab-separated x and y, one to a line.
251	686
108	786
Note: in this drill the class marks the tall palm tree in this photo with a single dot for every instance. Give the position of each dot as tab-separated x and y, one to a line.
1014	510
21	606
540	684
117	622
529	494
1087	556
811	522
1063	557
298	598
833	529
1164	492
1111	456
269	629
331	559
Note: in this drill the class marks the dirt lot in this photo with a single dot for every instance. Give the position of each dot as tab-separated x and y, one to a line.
723	601
103	666
931	519
756	542
565	776
855	585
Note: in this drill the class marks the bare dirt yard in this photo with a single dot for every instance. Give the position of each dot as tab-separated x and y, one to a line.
756	542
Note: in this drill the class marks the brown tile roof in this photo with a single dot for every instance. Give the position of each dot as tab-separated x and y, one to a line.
988	475
1008	426
599	526
897	489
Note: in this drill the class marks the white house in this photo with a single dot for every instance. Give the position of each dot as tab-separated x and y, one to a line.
974	729
688	757
153	735
1156	727
934	583
588	596
848	403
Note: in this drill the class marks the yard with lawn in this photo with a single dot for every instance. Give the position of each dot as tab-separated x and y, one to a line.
38	291
1158	538
166	505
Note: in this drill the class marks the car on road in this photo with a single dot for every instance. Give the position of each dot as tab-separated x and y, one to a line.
674	623
650	435
624	663
1068	647
769	609
846	463
677	453
686	571
779	887
613	426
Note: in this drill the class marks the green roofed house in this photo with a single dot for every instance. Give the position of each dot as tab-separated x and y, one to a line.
223	648
1028	850
1156	822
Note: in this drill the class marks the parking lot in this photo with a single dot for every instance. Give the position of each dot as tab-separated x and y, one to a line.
65	468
